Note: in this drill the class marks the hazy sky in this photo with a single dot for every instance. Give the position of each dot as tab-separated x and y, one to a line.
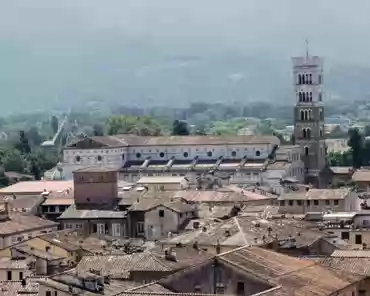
117	49
337	29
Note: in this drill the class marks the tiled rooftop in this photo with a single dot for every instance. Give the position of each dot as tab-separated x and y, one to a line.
15	288
73	213
296	277
362	175
19	223
36	187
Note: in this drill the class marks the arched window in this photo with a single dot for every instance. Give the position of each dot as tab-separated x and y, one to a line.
306	151
300	96
302	115
320	97
310	115
303	97
310	96
303	80
307	80
321	114
308	132
320	79
321	132
304	133
299	79
307	97
310	79
305	114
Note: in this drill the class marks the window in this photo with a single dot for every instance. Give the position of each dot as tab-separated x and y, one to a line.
101	228
345	235
139	227
116	229
161	154
78	158
327	202
186	154
209	153
55	293
233	154
52	209
315	202
282	203
123	157
62	208
161	213
48	293
240	288
95	228
99	158
258	153
9	275
299	202
306	151
20	275
308	202
358	239
336	202
365	222
138	155
290	202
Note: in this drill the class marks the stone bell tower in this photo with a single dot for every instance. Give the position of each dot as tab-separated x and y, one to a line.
309	115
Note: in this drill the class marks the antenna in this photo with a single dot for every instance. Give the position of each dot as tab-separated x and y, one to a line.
307	51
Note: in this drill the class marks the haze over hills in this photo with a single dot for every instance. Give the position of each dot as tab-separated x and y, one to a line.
140	52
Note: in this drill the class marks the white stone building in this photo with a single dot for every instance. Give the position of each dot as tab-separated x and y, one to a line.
237	159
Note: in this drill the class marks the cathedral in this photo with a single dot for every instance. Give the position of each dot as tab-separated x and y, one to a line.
309	117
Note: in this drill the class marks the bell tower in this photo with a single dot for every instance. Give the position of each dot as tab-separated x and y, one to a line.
309	114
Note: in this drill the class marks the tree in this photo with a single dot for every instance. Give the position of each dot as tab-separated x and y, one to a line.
98	130
54	124
14	161
34	136
138	125
356	142
180	128
23	145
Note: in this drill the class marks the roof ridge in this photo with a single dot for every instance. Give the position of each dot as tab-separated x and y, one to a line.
241	230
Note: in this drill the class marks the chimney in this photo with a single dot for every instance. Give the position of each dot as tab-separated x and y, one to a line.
218	247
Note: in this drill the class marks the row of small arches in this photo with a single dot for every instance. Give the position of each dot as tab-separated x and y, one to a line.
305	79
306	114
305	97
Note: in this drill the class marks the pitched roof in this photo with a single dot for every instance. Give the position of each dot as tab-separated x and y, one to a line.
294	276
23	223
15	288
36	187
341	170
348	264
247	230
362	175
315	194
133	140
120	266
74	213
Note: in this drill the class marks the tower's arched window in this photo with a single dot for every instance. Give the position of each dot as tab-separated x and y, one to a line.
303	80
310	80
302	115
308	132
310	114
320	79
300	96
305	115
303	97
321	132
299	79
321	114
304	133
307	97
310	96
306	151
307	79
320	97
